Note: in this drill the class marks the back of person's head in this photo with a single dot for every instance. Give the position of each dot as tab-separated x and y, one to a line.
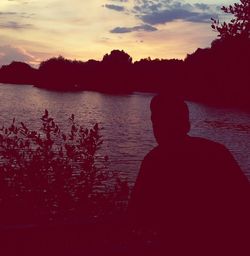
170	118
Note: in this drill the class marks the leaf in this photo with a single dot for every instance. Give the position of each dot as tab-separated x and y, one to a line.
24	127
64	137
96	127
73	128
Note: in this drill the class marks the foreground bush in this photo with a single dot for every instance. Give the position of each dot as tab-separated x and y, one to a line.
51	175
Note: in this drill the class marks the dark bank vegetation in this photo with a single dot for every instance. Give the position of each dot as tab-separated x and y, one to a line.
222	70
51	175
217	74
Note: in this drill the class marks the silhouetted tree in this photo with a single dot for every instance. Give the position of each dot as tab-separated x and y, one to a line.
18	73
117	57
116	72
217	74
239	25
221	71
57	73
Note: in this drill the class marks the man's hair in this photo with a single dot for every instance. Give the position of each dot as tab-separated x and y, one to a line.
171	111
169	105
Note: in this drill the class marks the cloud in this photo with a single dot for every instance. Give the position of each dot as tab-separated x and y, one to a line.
144	6
9	20
159	12
16	14
14	25
174	14
7	13
143	27
115	7
202	6
9	53
155	12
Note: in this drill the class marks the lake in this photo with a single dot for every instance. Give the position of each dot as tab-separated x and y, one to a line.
125	119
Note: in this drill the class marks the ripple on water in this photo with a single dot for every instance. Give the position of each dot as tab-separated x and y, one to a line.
127	129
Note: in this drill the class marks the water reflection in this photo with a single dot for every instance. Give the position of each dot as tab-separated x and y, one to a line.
127	129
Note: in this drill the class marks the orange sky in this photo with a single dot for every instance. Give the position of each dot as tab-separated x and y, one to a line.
35	30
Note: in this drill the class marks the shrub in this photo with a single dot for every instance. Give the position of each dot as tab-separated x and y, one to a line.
51	175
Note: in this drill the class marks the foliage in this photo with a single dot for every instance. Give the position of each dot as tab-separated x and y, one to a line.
117	57
239	25
51	175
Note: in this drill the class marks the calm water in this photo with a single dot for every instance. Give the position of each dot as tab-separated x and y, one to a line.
127	130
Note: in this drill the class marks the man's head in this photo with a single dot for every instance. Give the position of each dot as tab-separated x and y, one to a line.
170	119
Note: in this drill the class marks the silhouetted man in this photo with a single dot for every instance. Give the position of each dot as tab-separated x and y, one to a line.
190	191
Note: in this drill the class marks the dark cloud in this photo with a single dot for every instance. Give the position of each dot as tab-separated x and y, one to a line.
202	6
144	6
159	12
121	30
155	12
147	8
7	13
164	16
115	7
17	14
15	25
143	27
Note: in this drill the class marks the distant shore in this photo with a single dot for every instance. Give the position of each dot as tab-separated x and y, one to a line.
208	75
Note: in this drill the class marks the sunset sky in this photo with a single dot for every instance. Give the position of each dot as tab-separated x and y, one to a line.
35	30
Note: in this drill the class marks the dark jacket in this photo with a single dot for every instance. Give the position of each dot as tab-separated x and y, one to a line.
195	196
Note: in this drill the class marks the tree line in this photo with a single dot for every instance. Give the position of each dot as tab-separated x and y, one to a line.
217	74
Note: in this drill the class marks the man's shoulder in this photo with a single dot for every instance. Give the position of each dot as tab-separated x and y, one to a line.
192	143
194	146
152	154
200	143
213	154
